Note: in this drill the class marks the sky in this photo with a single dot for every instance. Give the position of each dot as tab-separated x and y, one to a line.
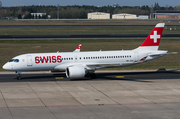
162	3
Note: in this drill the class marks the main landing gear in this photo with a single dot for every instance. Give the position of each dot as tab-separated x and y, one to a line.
18	75
92	75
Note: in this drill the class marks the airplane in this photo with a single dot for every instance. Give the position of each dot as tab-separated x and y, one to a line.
77	64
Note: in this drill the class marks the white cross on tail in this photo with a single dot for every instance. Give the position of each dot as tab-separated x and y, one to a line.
155	36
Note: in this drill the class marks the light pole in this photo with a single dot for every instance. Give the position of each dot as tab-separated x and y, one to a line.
58	11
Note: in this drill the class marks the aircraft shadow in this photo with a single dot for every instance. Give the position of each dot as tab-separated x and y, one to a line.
126	76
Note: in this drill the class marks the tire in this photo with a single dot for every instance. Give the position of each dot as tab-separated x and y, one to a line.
93	76
19	77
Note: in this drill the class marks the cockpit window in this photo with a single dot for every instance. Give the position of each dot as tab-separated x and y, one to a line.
14	60
11	60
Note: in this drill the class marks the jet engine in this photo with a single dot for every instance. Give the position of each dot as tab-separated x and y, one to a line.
75	72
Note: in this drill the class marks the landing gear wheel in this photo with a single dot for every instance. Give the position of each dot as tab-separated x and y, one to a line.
93	75
19	77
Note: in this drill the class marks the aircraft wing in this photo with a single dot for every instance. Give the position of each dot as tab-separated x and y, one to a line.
90	66
81	68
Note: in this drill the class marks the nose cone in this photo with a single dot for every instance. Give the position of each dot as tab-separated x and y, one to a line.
6	67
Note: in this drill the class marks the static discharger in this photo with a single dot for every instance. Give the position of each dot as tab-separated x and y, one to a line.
119	76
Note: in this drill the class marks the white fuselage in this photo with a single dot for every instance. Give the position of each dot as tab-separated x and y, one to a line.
88	60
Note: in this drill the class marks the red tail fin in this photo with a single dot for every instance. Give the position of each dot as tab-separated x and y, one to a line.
154	37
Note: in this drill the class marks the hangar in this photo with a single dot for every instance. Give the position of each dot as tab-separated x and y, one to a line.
143	17
124	16
98	15
166	14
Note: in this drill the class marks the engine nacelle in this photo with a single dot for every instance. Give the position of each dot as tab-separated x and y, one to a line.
75	72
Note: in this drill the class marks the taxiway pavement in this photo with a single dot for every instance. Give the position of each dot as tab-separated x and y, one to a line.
124	95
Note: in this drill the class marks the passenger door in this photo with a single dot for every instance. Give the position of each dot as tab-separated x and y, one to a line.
29	60
136	56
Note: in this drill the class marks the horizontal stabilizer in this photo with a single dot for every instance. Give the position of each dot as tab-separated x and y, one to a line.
172	52
158	53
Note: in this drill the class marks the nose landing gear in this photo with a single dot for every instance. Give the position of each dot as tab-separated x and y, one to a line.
18	75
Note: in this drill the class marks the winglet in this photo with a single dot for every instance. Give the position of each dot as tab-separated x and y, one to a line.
78	48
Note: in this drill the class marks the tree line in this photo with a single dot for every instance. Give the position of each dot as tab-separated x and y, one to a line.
76	11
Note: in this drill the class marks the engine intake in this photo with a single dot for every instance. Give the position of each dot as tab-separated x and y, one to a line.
75	72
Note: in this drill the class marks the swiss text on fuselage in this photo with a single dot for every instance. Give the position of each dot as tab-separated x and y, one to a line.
48	59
